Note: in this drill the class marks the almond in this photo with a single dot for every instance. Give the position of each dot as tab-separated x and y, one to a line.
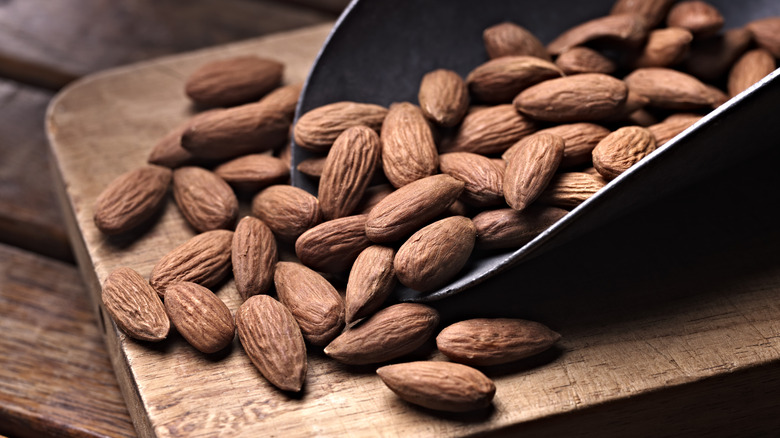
273	341
699	17
749	69
168	151
131	199
348	169
443	386
333	245
570	189
579	139
671	126
622	149
392	332
288	211
577	98
435	254
653	11
372	197
253	172
199	316
407	209
312	300
134	306
500	79
283	99
443	97
509	228
482	176
254	256
624	29
408	150
671	89
312	167
205	199
509	39
204	259
579	59
766	32
494	341
530	168
317	129
231	81
371	280
665	47
489	131
710	58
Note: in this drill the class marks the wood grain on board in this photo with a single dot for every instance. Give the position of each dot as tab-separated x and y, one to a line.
666	306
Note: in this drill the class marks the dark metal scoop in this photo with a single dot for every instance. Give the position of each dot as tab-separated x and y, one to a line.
380	49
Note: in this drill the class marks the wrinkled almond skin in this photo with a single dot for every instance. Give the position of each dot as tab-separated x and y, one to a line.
348	170
482	176
131	199
622	149
134	306
371	280
408	150
509	39
333	245
699	17
671	89
312	300
570	189
273	341
665	47
494	341
443	97
530	168
372	196
653	11
579	139
625	29
312	167
579	60
288	211
204	259
671	126
199	316
231	81
253	172
435	254
442	386
766	32
407	209
490	130
168	151
205	200
710	58
508	228
500	79
283	99
254	255
578	98
392	332
749	69
316	130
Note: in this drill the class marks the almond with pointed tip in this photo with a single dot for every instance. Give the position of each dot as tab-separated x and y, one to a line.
234	80
371	280
628	30
578	98
203	259
253	172
500	79
408	149
317	129
253	255
530	168
200	317
205	200
134	306
333	245
577	60
490	130
288	211
482	176
510	39
671	89
570	189
671	126
622	149
701	18
168	151
579	139
283	99
131	199
509	228
665	47
749	69
443	97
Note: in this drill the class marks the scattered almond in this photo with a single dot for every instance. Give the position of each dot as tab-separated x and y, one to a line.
231	81
570	189
509	39
288	211
443	97
580	59
622	149
408	149
482	176
199	316
561	99
333	245
500	79
749	69
509	228
253	255
134	306
489	131
317	129
253	172
203	259
131	199
371	280
530	168
205	200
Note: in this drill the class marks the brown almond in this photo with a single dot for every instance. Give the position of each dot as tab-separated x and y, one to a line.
432	256
482	176
580	59
653	11
205	200
701	18
236	131
312	300
579	139
408	150
499	80
131	199
273	341
253	172
168	151
562	99
349	168
199	316
317	129
509	228
442	386
530	168
288	211
235	80
570	189
491	130
312	167
670	89
392	332
710	58
407	209
283	99
333	245
665	47
494	341
766	32
509	39
254	255
624	29
641	117
372	196
134	306
203	259
749	69
622	149
443	97
671	126
371	280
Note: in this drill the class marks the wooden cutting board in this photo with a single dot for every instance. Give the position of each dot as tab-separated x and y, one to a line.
674	355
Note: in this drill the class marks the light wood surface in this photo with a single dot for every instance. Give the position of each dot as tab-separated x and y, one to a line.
667	306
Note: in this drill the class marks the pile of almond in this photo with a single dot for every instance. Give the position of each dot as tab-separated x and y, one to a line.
407	193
